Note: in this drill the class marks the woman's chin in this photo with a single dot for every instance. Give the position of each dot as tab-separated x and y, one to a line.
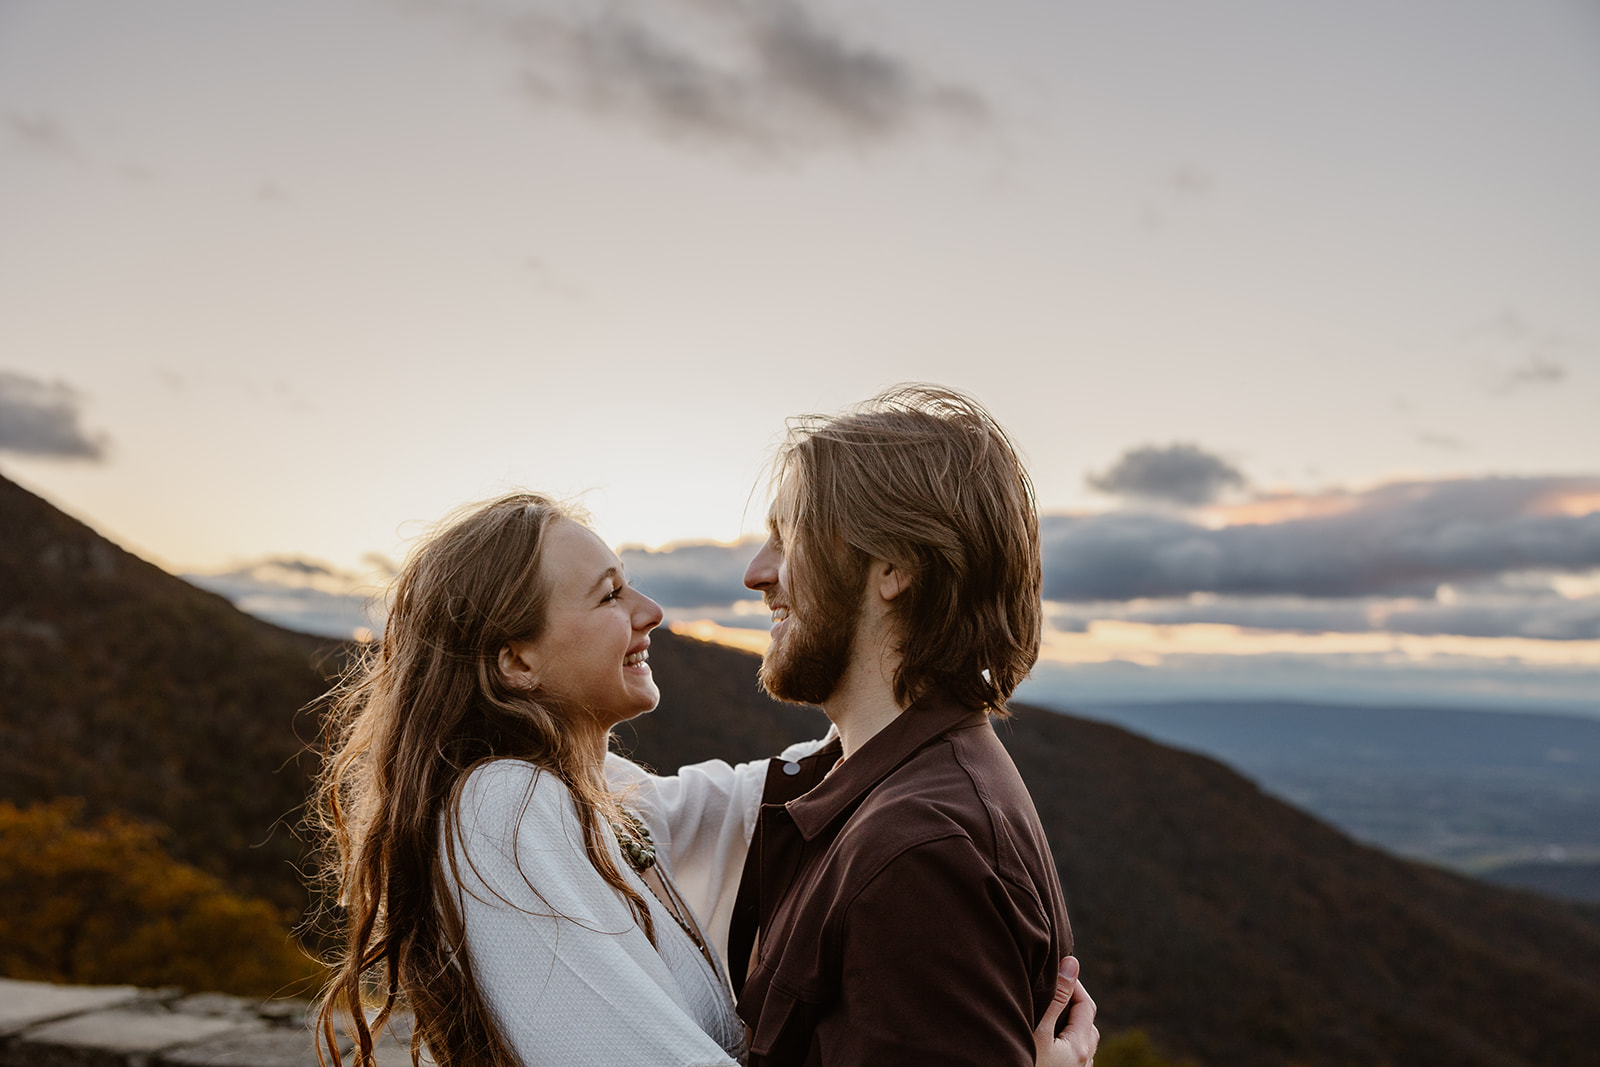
646	708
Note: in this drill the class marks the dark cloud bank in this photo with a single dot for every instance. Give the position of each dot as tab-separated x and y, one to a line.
1535	612
1377	565
39	418
1398	540
1476	558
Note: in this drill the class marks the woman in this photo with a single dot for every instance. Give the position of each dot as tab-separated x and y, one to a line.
491	875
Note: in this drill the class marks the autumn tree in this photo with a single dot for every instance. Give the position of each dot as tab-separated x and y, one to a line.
102	903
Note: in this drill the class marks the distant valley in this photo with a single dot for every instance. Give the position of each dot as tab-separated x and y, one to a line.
1507	796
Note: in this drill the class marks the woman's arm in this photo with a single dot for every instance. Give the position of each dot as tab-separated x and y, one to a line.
702	818
568	975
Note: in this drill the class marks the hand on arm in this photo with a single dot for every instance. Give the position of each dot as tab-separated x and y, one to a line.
1075	1045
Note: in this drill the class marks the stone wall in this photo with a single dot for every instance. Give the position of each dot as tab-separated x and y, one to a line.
44	1025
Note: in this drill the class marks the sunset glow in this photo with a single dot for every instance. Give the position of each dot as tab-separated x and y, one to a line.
1147	644
1283	507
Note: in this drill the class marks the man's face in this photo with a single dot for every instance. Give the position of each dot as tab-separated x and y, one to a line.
813	631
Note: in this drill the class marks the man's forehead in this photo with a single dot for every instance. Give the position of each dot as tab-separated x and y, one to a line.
781	510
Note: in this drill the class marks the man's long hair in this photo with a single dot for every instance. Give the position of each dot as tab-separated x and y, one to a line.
924	478
403	731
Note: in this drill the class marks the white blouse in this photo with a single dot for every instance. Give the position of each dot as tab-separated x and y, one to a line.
567	973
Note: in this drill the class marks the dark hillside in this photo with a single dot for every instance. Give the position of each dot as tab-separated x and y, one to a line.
140	693
1243	929
1469	789
1231	926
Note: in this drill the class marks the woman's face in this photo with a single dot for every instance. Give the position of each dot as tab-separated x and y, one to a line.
592	654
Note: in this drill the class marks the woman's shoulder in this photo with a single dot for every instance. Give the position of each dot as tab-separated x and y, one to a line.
516	790
518	847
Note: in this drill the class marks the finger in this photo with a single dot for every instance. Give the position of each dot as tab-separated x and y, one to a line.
1080	1020
1066	986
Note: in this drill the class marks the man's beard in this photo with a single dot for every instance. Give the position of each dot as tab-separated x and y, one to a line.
806	666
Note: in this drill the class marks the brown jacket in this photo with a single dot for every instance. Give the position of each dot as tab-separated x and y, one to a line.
908	905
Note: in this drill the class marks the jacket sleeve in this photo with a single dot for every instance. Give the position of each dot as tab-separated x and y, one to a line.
703	816
933	966
568	975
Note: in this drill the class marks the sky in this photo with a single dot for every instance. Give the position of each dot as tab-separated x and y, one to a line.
1291	309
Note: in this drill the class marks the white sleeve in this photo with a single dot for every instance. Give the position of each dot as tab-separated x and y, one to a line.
703	817
567	973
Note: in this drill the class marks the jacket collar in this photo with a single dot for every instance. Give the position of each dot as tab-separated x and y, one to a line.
926	720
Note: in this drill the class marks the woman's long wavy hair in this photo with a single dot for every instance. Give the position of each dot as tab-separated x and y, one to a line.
403	730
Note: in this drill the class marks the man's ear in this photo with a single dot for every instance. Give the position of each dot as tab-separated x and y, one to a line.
519	665
889	579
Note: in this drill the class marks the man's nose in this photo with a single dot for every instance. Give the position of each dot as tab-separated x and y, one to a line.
763	570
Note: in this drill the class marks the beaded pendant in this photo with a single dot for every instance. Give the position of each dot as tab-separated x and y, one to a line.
634	838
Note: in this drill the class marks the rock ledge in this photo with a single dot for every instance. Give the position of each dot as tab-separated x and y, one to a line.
44	1025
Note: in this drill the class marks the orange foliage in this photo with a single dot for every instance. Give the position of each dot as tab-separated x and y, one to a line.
103	903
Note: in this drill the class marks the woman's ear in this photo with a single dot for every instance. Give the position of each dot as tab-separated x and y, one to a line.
519	665
890	579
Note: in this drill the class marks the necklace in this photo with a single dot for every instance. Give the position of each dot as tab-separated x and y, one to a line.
633	837
639	849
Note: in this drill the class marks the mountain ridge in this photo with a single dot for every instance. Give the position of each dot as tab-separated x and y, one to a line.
148	696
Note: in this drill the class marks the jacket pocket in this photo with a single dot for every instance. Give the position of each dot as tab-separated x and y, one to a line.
784	1032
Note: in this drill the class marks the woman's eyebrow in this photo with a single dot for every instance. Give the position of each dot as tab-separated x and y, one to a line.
606	576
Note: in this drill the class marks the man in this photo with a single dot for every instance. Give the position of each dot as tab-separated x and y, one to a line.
899	903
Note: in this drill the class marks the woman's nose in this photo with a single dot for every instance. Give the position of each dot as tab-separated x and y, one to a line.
647	615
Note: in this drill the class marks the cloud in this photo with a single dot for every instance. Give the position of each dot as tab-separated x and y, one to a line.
43	136
1190	181
1523	354
764	77
1403	539
702	581
1539	614
1498	558
305	595
39	418
1535	370
692	575
1181	474
1454	681
1491	557
1545	619
1441	440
